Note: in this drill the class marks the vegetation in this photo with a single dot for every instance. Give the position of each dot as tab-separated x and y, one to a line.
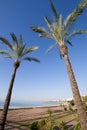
84	98
44	124
71	103
60	32
57	121
51	120
77	127
35	126
63	126
17	52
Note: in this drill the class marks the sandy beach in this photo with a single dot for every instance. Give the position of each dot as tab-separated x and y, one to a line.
18	115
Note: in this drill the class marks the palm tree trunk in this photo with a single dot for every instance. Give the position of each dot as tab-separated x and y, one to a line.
77	98
7	101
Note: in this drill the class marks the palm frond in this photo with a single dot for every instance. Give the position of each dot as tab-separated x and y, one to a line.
60	27
76	32
54	11
6	42
21	41
51	47
38	29
30	49
8	54
60	21
4	52
31	59
42	32
73	16
8	57
46	34
14	38
67	41
20	50
48	22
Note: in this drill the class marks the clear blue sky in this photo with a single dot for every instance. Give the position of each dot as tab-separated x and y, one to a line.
47	80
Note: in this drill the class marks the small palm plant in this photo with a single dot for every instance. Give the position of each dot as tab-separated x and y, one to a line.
43	124
51	120
77	126
63	126
59	31
17	52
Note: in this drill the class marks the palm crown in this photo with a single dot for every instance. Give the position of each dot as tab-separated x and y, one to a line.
17	49
59	29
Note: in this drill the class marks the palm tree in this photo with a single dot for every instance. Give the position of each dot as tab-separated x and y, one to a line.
59	31
17	52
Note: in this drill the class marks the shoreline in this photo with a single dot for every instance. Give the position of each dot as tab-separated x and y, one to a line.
21	105
28	107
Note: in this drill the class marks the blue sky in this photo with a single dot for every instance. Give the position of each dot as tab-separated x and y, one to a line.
47	80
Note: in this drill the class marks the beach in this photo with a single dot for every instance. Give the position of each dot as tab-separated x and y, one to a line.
27	115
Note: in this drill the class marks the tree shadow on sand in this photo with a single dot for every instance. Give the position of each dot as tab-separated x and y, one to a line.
69	127
15	126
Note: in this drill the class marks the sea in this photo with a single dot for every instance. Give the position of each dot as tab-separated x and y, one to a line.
31	104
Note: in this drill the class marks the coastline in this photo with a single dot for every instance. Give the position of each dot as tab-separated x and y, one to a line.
24	105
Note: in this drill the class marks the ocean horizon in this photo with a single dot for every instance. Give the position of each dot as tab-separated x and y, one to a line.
31	104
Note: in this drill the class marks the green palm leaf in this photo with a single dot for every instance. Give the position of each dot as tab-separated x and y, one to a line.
73	16
14	38
60	23
20	50
8	57
21	41
6	42
76	32
4	52
31	59
51	47
8	54
54	11
30	49
48	23
38	29
67	41
42	32
46	34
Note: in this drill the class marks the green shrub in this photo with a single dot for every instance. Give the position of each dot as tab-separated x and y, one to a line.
63	126
42	124
77	127
35	126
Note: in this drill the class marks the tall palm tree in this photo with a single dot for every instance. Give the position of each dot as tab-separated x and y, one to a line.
59	31
17	52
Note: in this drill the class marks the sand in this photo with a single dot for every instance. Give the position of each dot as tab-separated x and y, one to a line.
23	115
